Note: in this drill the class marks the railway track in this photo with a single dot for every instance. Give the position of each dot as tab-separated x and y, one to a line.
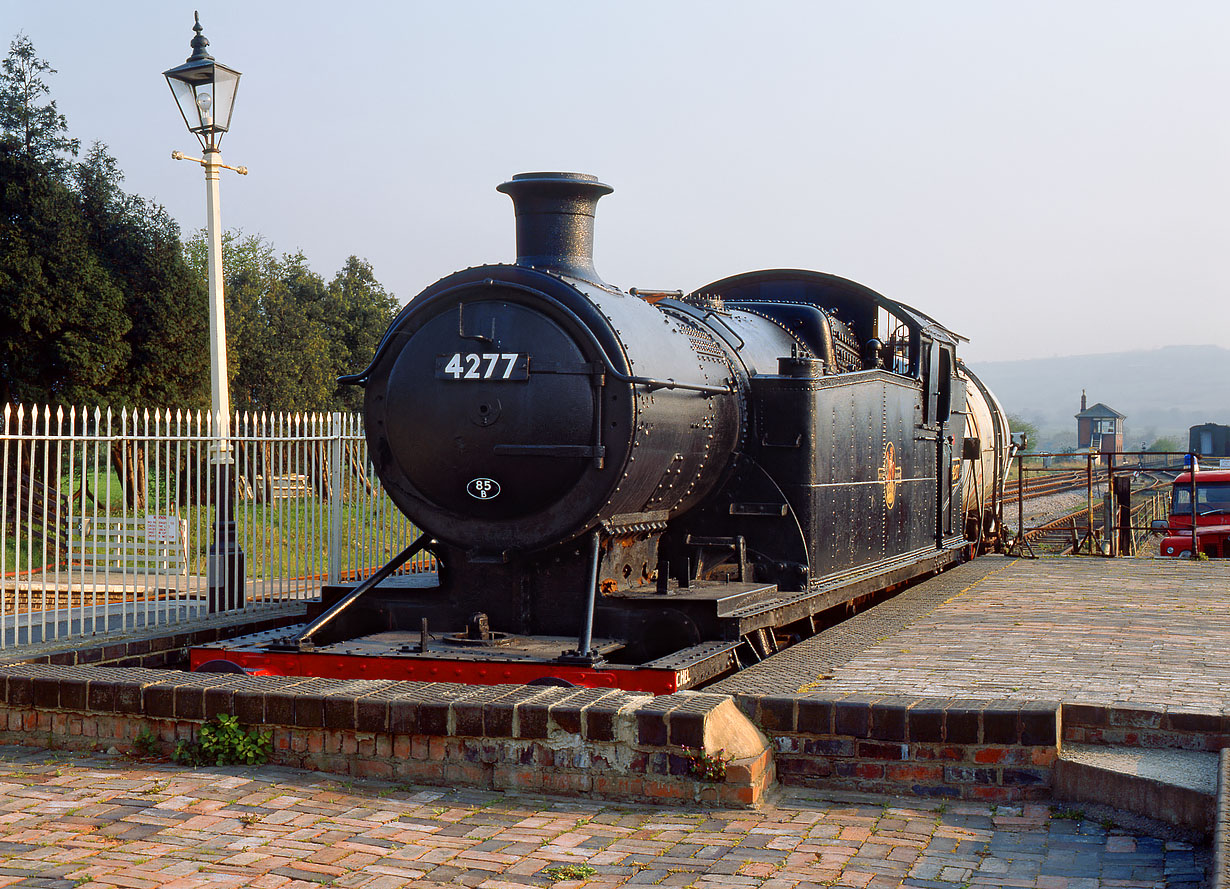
1041	486
1070	532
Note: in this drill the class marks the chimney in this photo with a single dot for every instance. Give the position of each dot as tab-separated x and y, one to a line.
1082	399
555	221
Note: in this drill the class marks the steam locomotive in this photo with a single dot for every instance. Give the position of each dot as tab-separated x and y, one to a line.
645	489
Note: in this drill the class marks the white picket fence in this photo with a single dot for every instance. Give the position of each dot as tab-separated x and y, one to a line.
107	515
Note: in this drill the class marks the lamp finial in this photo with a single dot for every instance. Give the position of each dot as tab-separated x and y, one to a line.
199	42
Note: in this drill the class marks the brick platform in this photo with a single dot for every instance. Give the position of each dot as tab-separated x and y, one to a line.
954	687
924	747
613	744
1120	633
951	690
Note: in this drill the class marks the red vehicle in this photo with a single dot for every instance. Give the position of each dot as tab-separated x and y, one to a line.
1212	515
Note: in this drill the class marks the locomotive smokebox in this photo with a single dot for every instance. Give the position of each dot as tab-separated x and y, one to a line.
555	221
507	412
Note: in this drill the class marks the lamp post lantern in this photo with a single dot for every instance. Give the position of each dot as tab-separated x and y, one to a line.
205	92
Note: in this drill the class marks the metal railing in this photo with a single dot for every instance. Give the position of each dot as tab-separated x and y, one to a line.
1096	503
107	516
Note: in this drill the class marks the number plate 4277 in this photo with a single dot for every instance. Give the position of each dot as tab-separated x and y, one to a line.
483	366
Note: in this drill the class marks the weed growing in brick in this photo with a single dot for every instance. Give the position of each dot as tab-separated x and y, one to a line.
1061	814
224	742
708	766
145	744
569	872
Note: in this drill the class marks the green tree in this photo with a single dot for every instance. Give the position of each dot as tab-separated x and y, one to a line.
364	310
299	359
63	317
289	335
1021	425
138	244
1166	443
28	115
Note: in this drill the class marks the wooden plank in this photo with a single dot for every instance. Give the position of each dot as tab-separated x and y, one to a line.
122	543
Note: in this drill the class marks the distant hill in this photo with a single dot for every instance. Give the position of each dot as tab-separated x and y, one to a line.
1161	391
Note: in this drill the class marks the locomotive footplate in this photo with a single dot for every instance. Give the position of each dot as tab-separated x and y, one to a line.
519	660
719	598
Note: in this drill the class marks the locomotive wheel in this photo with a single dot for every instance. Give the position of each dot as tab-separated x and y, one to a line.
220	666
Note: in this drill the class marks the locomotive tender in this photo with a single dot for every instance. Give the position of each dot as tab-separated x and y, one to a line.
646	490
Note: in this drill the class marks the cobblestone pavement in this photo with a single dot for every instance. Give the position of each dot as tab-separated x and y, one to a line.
88	822
1097	631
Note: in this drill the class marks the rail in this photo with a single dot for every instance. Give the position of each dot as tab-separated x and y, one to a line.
1040	487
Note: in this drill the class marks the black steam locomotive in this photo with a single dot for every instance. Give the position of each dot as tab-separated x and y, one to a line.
646	489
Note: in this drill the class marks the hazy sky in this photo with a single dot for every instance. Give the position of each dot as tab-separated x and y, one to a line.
1043	177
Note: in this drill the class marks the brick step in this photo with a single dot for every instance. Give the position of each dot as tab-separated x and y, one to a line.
1175	786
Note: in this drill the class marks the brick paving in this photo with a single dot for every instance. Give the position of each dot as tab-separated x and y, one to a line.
89	822
1089	630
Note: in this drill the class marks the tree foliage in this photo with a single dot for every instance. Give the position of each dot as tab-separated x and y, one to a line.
1166	444
101	301
289	334
62	314
138	245
1020	425
364	310
28	114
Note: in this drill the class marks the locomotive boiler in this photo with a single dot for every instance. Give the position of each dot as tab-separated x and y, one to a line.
646	489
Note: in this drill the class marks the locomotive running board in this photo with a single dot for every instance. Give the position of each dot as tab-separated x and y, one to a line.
734	610
792	607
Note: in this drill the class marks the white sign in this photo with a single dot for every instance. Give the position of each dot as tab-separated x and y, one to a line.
161	529
483	488
1224	463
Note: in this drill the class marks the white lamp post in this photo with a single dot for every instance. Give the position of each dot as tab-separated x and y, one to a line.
205	92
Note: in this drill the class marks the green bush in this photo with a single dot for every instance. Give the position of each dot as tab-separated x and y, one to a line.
224	742
707	766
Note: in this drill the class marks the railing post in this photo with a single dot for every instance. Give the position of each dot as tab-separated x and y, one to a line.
335	497
1020	502
1089	497
1110	522
1195	512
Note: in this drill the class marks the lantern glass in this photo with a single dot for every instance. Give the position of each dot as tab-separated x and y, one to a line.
226	84
205	92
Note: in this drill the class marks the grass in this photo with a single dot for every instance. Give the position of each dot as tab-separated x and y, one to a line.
284	538
569	872
1061	814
